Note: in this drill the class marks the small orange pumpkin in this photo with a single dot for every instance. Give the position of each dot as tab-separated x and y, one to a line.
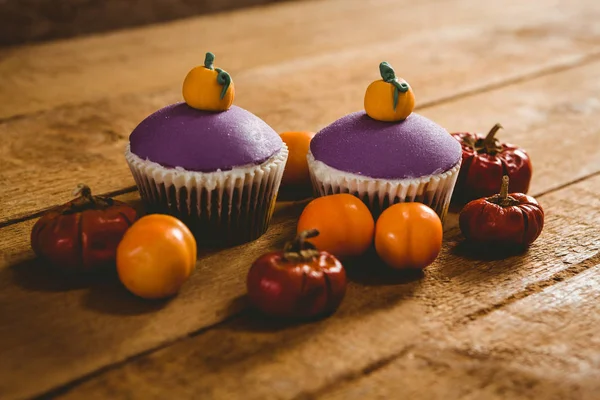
156	256
390	98
344	222
408	236
296	169
208	88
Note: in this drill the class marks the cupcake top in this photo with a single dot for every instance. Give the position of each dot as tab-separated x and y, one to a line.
387	140
204	141
206	133
412	148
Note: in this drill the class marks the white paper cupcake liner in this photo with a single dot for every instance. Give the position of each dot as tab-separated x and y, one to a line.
221	207
434	191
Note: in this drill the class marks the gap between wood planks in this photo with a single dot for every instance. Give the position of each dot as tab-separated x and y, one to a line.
355	375
149	51
531	289
550	70
114	193
473	344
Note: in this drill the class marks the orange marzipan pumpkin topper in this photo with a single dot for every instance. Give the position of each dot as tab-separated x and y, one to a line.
208	88
390	98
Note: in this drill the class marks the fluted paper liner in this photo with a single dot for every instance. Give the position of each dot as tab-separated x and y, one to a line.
434	191
221	207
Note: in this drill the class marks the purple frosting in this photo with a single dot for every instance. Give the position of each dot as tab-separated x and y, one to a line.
412	148
181	136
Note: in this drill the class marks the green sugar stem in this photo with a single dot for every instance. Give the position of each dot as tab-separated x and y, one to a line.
388	75
209	60
223	79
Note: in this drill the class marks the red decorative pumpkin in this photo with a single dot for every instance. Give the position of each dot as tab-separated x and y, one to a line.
83	234
485	160
299	282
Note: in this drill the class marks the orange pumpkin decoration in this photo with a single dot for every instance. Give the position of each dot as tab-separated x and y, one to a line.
408	235
345	224
208	88
296	168
389	99
156	256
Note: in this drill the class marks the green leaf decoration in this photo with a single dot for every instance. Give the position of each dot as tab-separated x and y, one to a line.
388	75
223	79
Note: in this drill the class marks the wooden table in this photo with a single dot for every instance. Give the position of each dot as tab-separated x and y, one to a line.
525	327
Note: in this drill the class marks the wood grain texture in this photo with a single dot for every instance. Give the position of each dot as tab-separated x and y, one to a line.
385	319
543	347
97	313
289	50
60	320
34	20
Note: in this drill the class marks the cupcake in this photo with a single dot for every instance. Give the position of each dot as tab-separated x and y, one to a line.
386	154
215	166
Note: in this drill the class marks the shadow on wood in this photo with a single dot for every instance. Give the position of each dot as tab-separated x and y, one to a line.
370	270
486	253
39	276
252	320
295	193
112	298
105	293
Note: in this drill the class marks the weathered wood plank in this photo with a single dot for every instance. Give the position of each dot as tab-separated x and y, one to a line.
211	295
383	320
59	321
543	347
291	88
304	40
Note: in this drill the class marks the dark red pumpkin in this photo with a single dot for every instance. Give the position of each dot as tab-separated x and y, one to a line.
299	282
485	160
503	220
83	234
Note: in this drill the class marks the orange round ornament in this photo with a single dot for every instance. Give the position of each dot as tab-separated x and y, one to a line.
344	222
208	88
296	168
390	98
408	235
156	256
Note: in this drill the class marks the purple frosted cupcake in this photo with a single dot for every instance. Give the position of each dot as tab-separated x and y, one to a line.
399	157
218	171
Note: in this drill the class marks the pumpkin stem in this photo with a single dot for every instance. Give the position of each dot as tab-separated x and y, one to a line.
503	199
504	188
209	60
86	201
389	75
300	249
489	143
84	191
